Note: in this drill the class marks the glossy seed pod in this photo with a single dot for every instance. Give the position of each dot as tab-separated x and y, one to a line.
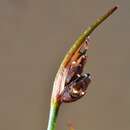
76	89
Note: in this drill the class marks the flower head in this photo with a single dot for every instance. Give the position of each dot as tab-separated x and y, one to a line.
70	83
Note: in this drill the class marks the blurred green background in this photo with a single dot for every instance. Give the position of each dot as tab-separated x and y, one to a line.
34	37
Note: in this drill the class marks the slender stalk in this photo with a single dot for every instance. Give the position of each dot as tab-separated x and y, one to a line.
54	107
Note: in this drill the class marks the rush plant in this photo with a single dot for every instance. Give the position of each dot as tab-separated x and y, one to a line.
70	83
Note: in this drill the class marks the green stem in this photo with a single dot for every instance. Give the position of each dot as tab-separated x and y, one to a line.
54	108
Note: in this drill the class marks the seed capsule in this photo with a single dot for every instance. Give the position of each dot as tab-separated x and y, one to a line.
77	88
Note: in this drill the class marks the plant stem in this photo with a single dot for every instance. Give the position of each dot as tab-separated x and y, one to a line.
54	108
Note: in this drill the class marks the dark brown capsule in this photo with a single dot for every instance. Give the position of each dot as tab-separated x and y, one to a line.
76	89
